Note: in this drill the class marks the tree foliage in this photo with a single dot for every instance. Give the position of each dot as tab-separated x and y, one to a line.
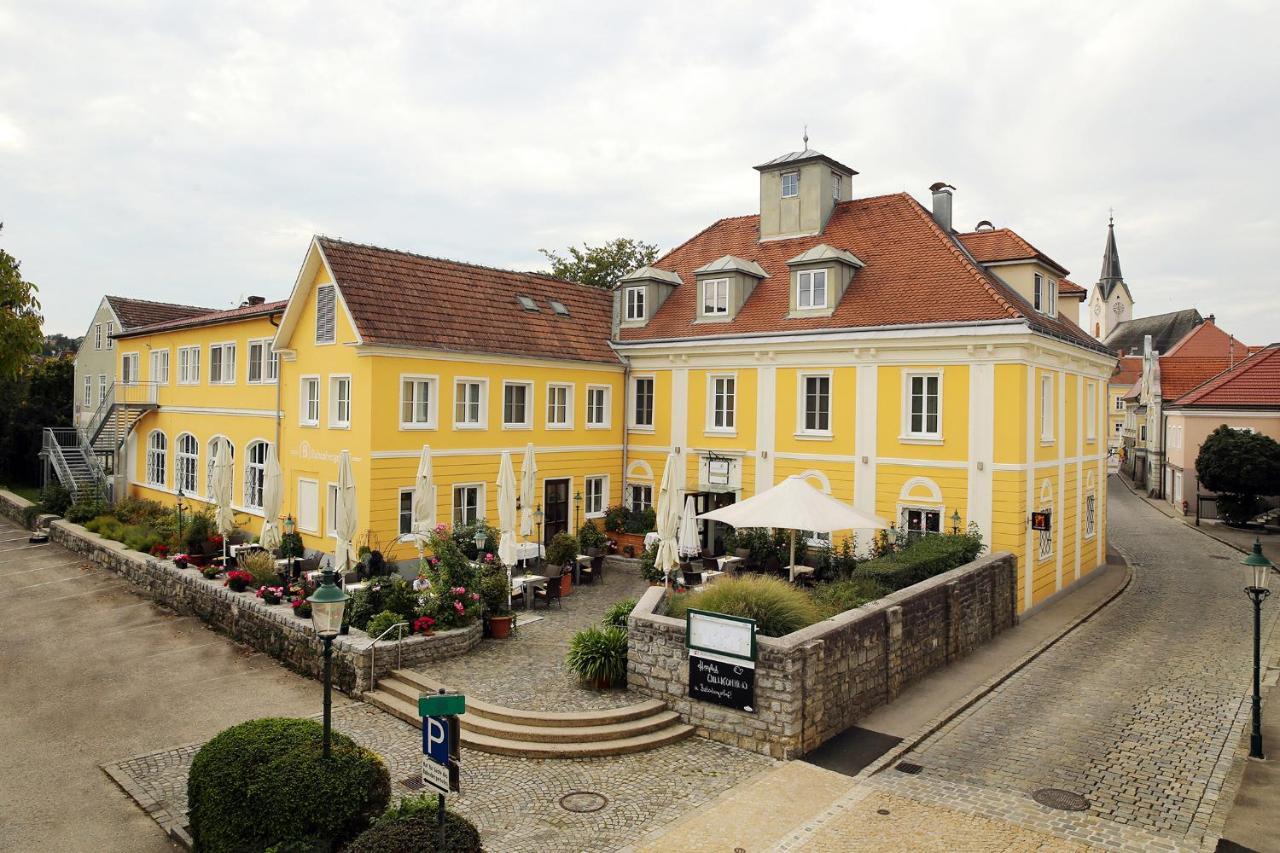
601	266
1240	466
20	335
37	397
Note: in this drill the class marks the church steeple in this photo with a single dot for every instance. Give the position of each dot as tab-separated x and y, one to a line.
1111	275
1111	303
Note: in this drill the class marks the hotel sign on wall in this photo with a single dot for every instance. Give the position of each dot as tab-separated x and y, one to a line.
1042	520
722	659
307	452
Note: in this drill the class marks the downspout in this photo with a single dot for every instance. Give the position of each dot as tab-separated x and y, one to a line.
271	318
626	432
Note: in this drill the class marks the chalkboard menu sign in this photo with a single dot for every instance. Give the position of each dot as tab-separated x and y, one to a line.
722	682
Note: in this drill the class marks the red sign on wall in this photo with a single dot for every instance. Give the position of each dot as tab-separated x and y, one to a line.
1041	520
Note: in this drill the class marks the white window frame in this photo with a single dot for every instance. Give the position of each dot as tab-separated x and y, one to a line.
304	408
730	425
631	486
301	518
811	277
483	406
189	371
225	376
102	388
529	397
255	474
802	404
1090	519
924	436
720	300
160	366
97	336
331	510
331	336
453	501
130	365
1091	410
837	182
1053	297
88	391
336	420
633	408
793	184
1047	413
267	362
925	511
634	304
1038	300
414	380
553	390
186	466
606	408
111	330
403	524
602	483
157	473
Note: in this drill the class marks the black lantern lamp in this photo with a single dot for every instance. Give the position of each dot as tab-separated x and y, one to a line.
327	604
1258	579
955	523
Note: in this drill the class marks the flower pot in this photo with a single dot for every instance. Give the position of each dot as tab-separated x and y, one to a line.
345	629
602	684
182	564
566	584
238	586
500	627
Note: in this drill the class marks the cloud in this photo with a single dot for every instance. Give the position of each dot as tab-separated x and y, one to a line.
162	149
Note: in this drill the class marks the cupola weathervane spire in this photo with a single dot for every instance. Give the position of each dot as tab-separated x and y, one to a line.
806	138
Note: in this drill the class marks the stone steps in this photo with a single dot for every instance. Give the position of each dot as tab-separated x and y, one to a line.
538	734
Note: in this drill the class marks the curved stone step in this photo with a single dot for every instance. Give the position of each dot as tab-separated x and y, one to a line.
568	734
618	746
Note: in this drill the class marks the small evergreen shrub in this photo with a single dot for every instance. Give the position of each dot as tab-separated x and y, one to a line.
264	783
563	549
291	546
106	526
590	536
616	616
411	828
140	537
89	506
599	655
839	596
54	499
649	565
383	621
778	607
922	558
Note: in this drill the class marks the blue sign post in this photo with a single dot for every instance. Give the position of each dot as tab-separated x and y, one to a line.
441	748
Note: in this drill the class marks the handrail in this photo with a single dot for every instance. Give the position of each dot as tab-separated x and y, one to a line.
373	650
120	394
100	414
57	438
53	452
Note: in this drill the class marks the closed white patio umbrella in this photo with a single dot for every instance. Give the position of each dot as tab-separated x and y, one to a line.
528	491
794	504
507	510
223	473
271	485
688	541
423	508
668	516
345	513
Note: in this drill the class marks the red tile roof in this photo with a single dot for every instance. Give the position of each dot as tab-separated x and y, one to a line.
1066	287
1179	374
402	299
914	274
144	312
209	318
1004	244
1127	371
1207	340
1254	382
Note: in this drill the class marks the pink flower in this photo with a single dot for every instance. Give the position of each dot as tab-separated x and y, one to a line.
475	596
442	529
457	605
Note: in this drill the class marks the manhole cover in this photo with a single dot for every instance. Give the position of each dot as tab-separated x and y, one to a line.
413	783
1056	798
908	767
882	811
583	801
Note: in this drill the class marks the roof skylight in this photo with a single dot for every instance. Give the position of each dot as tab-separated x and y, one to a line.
527	303
559	308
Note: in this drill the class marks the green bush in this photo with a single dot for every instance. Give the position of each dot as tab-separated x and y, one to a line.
399	597
54	499
139	510
649	565
411	828
196	531
839	596
89	506
761	542
615	518
291	546
778	607
923	558
563	549
590	536
494	589
385	620
365	604
643	521
616	616
264	783
464	537
599	655
140	537
106	526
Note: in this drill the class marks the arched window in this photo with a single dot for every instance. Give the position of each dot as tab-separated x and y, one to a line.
1044	540
186	458
255	474
157	447
213	454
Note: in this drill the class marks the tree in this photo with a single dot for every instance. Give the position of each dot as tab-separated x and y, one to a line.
1239	465
20	335
601	266
39	396
60	344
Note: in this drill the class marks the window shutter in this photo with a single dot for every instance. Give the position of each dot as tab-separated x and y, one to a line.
325	314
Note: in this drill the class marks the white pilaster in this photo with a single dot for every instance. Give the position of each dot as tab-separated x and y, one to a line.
1029	552
1079	466
864	439
982	436
766	425
680	416
1060	427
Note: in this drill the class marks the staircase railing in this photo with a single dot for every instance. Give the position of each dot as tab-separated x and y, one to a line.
95	464
54	440
399	628
120	394
101	414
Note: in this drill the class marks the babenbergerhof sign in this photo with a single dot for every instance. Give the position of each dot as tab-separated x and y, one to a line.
722	659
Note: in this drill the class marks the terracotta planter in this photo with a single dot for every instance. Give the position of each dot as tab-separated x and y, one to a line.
566	584
500	627
622	540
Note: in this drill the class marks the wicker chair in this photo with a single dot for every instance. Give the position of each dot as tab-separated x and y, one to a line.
551	591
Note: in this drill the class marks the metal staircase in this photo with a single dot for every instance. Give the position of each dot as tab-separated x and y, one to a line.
120	409
73	461
76	456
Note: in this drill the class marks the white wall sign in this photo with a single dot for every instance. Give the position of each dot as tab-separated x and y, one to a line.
731	636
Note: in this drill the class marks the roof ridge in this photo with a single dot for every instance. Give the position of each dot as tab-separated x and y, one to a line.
158	302
1247	364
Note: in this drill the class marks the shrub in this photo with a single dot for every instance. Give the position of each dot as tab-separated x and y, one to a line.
261	565
563	549
778	607
922	558
616	518
106	526
400	598
761	542
264	782
411	827
89	506
197	530
649	565
494	590
140	537
642	521
139	510
376	566
464	538
1240	466
590	536
291	546
365	604
839	596
383	621
616	616
599	655
54	499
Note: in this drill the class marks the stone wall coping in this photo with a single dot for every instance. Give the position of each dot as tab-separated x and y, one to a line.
16	499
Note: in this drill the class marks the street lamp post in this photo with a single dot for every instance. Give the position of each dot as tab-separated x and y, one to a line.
327	604
538	517
179	506
1259	575
289	527
577	506
955	523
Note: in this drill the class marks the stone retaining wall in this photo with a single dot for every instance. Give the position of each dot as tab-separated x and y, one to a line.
814	683
272	629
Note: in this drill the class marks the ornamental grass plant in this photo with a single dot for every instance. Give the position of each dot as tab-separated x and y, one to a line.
778	607
599	655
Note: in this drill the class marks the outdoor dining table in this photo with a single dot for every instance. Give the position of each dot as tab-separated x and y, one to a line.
730	563
529	583
583	561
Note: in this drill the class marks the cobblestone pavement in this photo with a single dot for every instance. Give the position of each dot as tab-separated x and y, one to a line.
515	802
527	670
1140	710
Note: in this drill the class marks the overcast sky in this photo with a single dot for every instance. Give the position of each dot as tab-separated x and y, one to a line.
187	151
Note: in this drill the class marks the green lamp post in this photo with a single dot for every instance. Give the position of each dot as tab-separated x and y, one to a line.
538	517
327	604
1259	576
955	523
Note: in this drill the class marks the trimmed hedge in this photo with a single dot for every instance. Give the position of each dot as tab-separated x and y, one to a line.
264	783
410	827
921	560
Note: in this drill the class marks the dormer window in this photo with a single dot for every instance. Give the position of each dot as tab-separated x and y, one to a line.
790	184
715	297
635	307
1045	295
811	289
835	186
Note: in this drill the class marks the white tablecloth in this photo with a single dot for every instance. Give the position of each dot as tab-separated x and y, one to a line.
651	538
529	550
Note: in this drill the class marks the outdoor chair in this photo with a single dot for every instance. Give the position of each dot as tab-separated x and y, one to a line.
710	564
772	565
691	578
517	597
550	592
744	554
593	571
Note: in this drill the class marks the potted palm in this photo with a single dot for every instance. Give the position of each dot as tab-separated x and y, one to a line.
598	655
494	592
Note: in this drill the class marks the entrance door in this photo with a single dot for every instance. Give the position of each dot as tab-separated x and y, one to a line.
555	506
713	531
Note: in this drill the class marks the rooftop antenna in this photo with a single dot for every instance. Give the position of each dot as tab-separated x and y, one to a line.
806	138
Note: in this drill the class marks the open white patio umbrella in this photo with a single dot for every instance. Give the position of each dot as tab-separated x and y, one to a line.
794	504
345	513
668	516
223	516
271	485
423	509
688	541
507	516
528	491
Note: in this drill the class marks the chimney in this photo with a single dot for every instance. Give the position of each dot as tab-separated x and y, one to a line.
255	300
1210	320
942	204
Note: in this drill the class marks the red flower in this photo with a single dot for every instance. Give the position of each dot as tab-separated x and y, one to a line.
424	625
